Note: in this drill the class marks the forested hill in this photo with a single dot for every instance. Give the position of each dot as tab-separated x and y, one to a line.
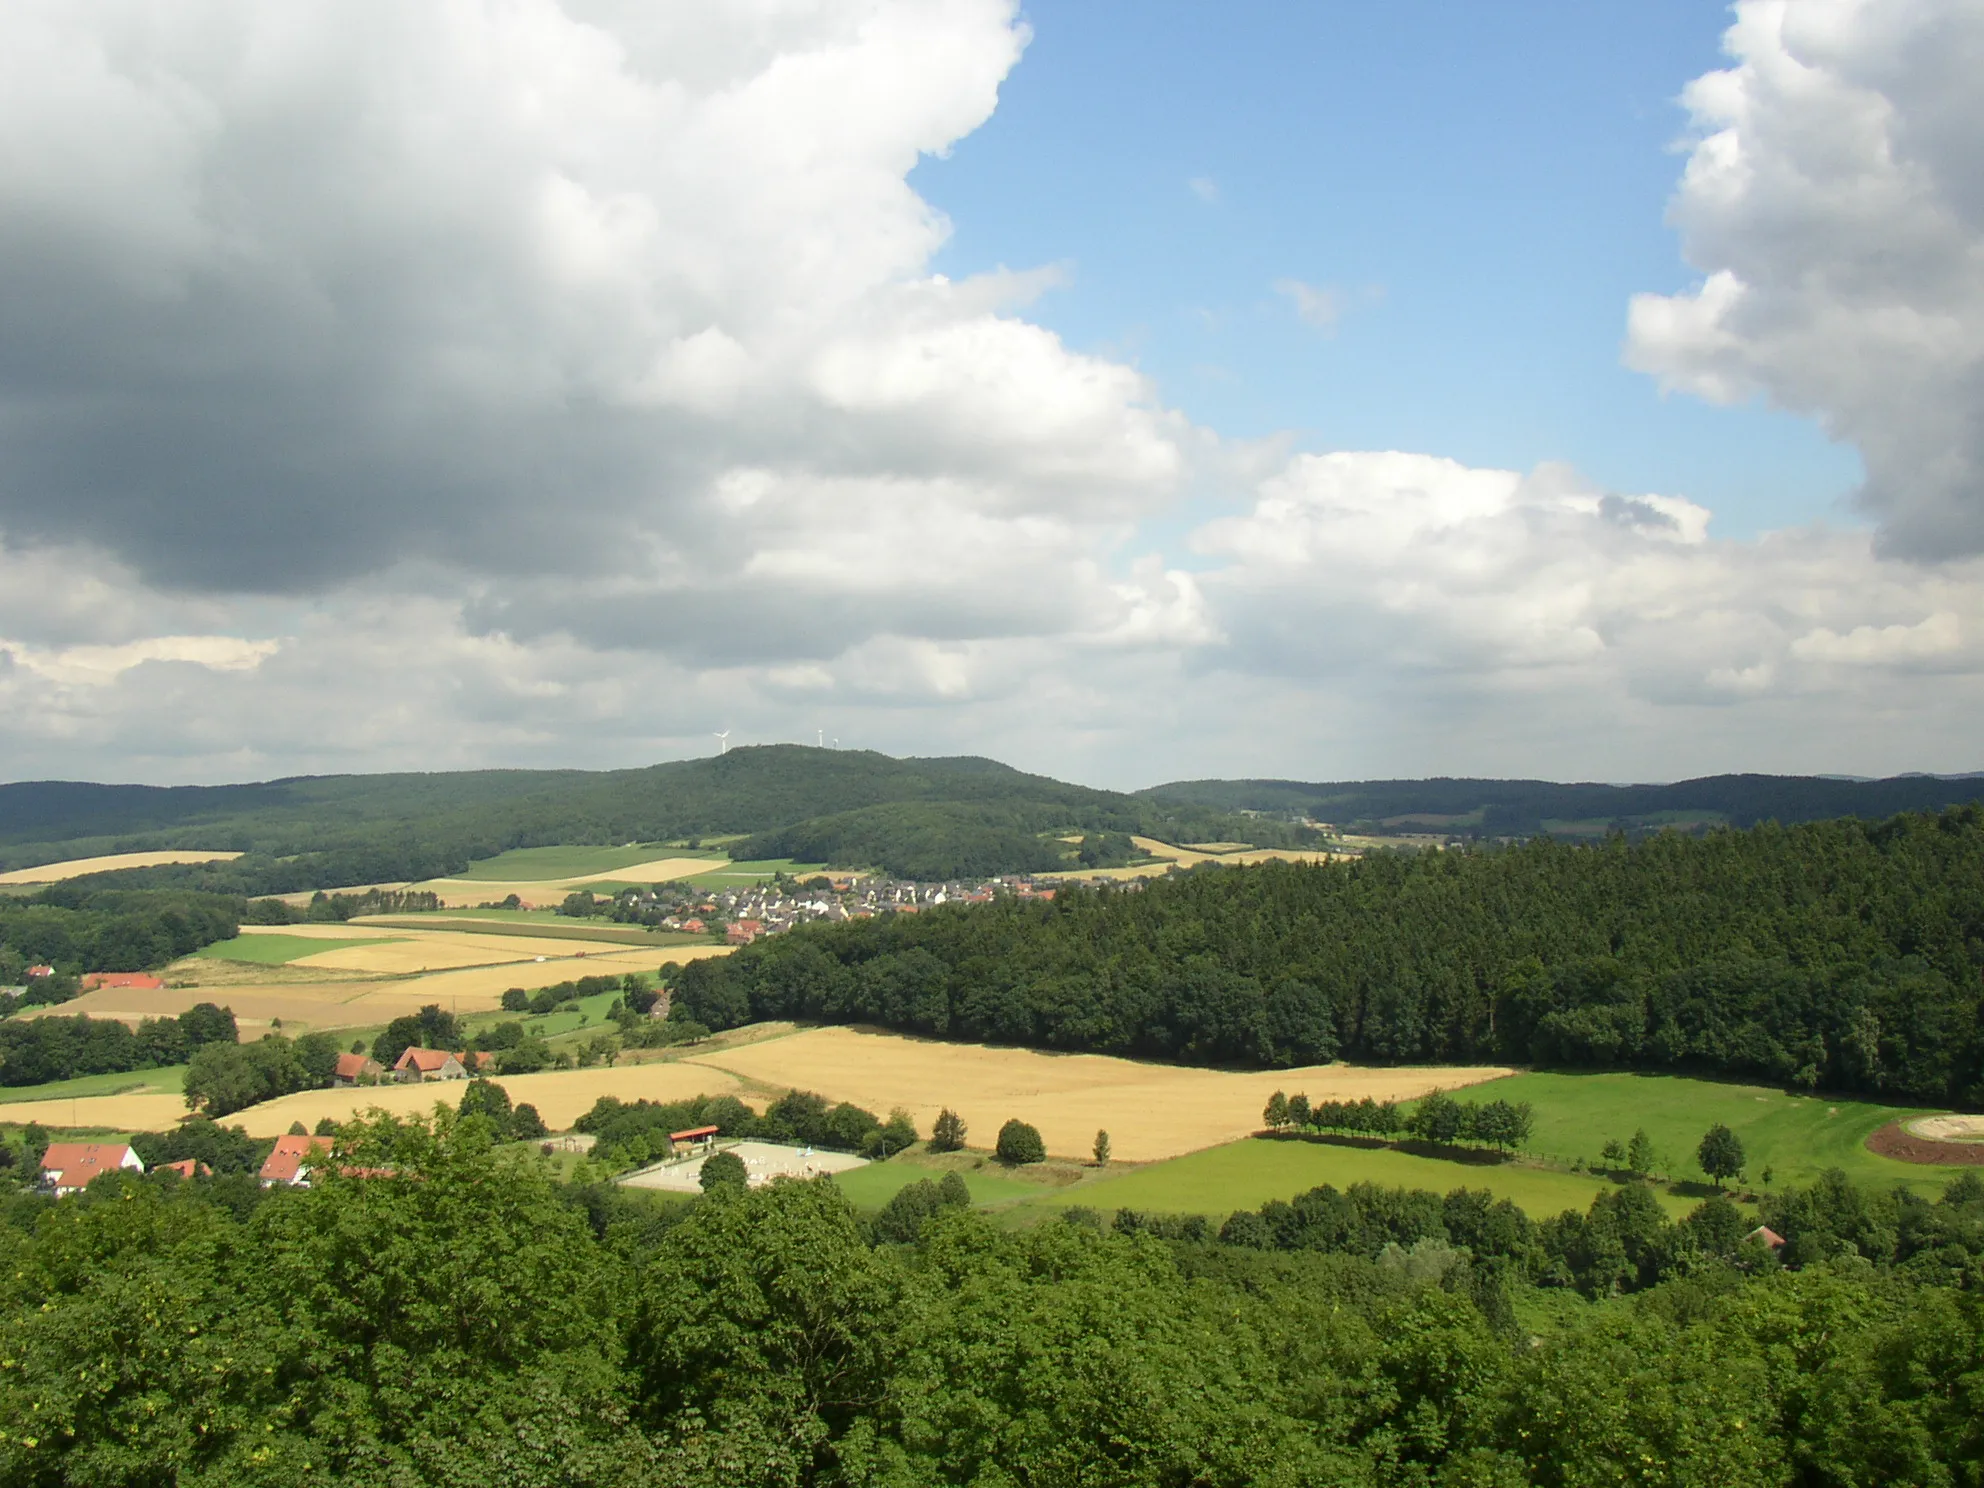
926	818
1839	955
1523	808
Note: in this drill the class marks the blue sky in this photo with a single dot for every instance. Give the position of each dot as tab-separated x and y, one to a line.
1481	186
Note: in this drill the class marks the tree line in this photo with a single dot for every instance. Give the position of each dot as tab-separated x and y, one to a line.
459	1317
1846	955
1437	1117
34	1051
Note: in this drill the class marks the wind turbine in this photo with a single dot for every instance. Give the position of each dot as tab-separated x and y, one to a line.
722	742
823	738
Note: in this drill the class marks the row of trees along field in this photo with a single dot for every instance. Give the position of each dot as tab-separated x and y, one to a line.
34	1051
1842	954
456	1316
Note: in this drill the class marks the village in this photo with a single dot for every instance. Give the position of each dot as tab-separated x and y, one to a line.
742	915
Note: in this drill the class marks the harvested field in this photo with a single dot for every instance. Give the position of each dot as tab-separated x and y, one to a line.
1186	857
561	1096
1898	1141
413	951
77	867
1151	1111
351	999
135	1112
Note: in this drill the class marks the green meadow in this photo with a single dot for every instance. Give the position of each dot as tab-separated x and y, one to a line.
1245	1175
278	950
873	1186
1796	1136
167	1080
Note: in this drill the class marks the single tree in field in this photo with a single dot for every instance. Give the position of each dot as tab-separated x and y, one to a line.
1639	1153
723	1170
1102	1149
1020	1143
1721	1154
947	1133
1275	1117
1614	1153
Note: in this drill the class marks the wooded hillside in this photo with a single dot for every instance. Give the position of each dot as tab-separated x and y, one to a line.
1842	955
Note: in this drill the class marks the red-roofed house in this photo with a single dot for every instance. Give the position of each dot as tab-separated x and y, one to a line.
743	932
137	981
694	926
430	1064
1771	1239
35	972
186	1167
290	1161
351	1068
67	1167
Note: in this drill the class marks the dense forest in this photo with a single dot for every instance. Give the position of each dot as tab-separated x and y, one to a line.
916	818
78	926
1842	955
454	1317
1523	808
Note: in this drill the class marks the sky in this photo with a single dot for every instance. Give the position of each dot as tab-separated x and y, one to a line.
1129	392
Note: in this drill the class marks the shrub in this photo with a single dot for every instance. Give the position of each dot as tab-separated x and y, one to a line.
723	1170
947	1135
1020	1143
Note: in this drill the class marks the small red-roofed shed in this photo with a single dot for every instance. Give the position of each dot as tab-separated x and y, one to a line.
696	1136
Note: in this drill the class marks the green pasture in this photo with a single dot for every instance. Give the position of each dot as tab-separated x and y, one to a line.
733	875
1796	1136
1246	1174
166	1080
279	950
873	1186
535	864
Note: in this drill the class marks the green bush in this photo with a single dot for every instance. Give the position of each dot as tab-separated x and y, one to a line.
1020	1143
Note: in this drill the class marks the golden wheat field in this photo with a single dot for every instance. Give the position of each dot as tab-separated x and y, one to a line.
77	867
1150	1111
341	994
561	1096
1186	857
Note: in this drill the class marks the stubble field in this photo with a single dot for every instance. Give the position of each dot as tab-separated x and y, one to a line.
77	867
1150	1111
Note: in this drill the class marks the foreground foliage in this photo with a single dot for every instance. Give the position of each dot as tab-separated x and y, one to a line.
455	1317
1839	955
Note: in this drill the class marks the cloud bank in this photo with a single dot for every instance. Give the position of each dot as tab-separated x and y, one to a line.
427	385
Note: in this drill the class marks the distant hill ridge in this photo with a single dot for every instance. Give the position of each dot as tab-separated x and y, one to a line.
1522	808
923	818
926	818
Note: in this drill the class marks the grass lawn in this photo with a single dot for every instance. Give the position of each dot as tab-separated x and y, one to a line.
535	864
1797	1136
279	950
1245	1175
873	1186
167	1080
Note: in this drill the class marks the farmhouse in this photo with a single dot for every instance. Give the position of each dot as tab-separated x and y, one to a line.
289	1163
354	1069
743	932
430	1064
67	1167
133	981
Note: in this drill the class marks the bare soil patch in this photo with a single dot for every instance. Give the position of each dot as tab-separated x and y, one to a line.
1897	1141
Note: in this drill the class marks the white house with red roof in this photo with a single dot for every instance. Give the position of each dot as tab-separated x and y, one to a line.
430	1064
291	1160
68	1167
